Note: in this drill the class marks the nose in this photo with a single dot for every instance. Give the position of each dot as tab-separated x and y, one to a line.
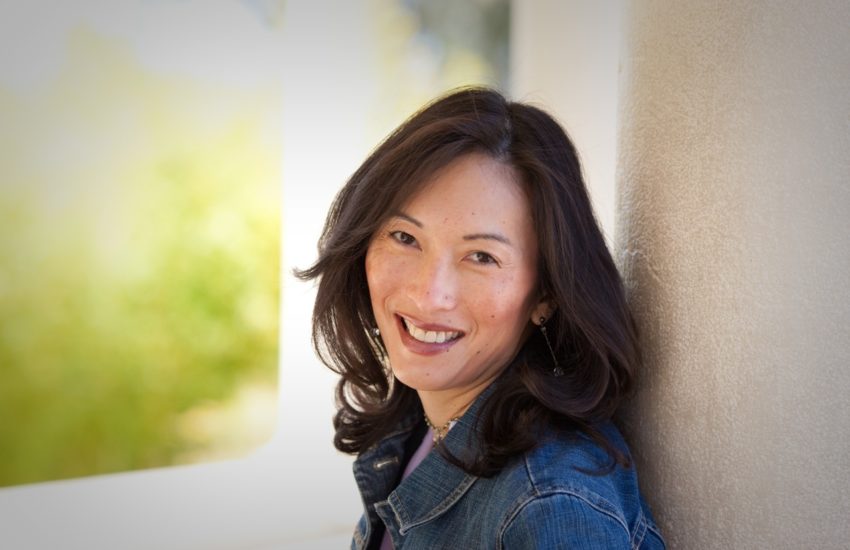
434	287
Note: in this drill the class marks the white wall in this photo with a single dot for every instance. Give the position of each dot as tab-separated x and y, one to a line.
564	58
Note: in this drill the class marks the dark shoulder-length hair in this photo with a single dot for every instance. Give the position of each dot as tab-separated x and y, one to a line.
591	329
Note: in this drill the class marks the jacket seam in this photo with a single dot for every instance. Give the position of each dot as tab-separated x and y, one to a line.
651	527
537	495
529	472
640	530
406	524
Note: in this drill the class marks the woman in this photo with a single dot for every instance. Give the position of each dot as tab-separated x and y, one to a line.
479	326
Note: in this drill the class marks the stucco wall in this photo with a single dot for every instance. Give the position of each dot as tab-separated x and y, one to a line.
733	233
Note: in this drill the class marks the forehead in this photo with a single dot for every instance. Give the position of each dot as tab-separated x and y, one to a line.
473	190
467	174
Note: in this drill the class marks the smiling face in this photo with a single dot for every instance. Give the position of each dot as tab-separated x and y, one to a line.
453	279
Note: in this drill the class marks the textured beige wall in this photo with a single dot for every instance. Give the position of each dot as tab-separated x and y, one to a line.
734	237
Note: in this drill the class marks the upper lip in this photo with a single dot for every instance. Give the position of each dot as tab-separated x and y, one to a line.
428	326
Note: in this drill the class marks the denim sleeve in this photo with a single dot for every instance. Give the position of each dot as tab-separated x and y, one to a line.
562	520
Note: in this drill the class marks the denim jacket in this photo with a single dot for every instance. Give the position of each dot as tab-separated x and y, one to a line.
539	500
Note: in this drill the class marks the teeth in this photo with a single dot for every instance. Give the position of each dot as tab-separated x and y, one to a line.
429	336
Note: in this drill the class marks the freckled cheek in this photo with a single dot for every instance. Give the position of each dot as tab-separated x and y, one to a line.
490	307
499	303
375	276
385	274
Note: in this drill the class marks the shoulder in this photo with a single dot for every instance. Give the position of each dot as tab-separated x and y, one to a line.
570	494
575	464
566	520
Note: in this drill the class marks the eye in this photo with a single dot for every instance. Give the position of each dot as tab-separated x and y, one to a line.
403	238
483	258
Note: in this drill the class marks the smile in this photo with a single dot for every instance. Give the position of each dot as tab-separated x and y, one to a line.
429	336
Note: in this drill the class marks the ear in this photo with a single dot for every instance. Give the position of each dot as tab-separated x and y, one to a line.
544	309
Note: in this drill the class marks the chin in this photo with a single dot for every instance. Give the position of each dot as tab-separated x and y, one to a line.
419	381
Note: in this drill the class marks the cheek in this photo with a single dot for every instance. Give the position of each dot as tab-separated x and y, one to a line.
374	275
383	273
500	301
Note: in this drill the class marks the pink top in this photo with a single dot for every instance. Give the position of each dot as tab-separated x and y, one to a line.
417	458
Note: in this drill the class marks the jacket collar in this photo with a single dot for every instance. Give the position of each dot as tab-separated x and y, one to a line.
436	484
378	469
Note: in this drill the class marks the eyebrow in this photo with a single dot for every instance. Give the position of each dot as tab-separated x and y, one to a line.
411	219
488	236
473	237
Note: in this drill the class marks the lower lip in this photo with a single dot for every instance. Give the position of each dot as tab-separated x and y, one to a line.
423	348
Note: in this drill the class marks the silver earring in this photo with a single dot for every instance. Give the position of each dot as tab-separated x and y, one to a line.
376	332
557	371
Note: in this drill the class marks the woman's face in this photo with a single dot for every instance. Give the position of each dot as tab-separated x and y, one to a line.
453	278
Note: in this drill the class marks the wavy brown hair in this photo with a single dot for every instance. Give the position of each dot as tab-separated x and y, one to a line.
591	330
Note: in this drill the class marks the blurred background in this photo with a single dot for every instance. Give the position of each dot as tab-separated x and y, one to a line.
165	164
141	157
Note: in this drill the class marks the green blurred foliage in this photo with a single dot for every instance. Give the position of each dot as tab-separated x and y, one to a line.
139	263
139	245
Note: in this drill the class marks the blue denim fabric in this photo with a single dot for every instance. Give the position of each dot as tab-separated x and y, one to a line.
540	500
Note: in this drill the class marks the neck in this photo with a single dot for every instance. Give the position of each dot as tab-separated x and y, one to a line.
442	409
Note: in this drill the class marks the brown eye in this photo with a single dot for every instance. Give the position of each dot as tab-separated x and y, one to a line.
403	238
483	258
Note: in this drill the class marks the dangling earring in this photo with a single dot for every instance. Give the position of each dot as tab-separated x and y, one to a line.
557	371
378	347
